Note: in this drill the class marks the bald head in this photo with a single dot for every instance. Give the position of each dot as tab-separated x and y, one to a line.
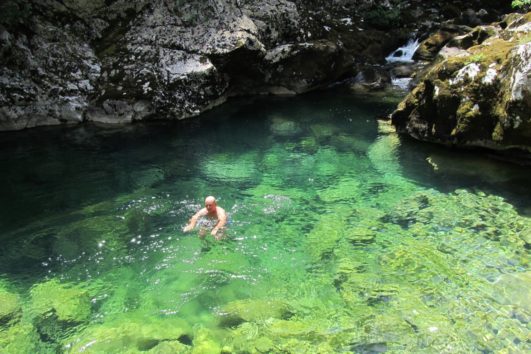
210	204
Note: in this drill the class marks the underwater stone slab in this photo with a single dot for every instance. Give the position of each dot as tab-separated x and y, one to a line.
322	239
281	126
68	303
130	334
360	234
514	289
9	306
239	311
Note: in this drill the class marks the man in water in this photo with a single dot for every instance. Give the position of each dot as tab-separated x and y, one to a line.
210	213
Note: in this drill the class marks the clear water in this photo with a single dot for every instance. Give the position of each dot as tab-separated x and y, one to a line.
343	237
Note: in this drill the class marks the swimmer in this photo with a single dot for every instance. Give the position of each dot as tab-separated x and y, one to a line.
212	213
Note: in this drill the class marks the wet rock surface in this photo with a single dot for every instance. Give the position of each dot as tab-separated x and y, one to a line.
478	93
123	61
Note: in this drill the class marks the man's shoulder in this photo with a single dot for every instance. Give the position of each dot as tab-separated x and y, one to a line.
202	212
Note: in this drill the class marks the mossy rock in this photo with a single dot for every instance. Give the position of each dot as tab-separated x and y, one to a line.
360	235
514	289
346	268
429	48
10	307
297	329
89	235
477	97
231	168
284	127
170	347
20	338
205	343
323	238
309	145
133	333
69	304
264	345
344	190
323	132
477	36
383	154
239	311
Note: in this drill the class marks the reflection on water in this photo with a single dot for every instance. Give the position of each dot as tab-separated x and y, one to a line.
343	237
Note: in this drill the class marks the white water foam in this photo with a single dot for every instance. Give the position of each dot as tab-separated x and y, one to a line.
404	54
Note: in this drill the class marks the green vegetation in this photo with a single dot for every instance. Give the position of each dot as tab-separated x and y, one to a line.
476	58
517	4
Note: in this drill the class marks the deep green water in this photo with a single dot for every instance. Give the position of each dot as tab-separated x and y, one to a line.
343	237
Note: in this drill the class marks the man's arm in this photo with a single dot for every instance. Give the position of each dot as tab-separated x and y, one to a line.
193	220
222	220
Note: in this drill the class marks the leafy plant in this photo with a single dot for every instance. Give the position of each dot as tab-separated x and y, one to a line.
516	4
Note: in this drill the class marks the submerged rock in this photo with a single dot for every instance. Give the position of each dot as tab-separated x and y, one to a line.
22	338
131	334
322	239
281	126
68	304
9	306
239	311
513	289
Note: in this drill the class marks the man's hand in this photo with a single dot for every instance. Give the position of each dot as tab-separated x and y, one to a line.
187	228
214	232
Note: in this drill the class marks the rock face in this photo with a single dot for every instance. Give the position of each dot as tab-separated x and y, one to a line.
120	61
478	92
117	61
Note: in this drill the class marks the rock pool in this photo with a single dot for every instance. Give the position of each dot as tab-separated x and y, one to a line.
343	237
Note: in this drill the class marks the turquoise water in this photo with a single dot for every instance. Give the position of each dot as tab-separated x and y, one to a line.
343	237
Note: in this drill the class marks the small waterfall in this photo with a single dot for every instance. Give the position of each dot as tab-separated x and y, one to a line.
404	54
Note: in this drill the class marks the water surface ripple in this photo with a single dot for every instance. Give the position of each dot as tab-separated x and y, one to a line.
343	237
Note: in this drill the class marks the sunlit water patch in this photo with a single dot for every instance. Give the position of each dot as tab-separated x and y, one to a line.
342	237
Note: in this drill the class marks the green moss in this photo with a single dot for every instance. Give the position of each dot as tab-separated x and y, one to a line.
345	190
204	342
493	50
133	333
9	306
323	238
322	132
309	145
476	58
69	303
284	127
21	338
237	312
230	168
466	113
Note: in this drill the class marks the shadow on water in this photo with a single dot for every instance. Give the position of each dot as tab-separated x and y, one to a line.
447	169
